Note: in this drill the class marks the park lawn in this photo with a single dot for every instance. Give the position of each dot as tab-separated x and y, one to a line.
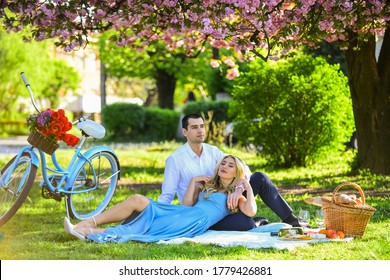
36	231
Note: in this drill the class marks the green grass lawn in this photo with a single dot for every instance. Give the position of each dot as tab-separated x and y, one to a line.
36	231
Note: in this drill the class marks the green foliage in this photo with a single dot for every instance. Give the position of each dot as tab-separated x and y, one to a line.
123	62
123	121
131	122
160	124
331	53
219	109
303	105
48	77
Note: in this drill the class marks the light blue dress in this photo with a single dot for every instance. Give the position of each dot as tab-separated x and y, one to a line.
162	221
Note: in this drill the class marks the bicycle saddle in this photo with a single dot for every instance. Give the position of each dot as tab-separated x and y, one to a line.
92	129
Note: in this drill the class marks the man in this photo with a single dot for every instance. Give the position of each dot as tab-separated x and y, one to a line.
196	158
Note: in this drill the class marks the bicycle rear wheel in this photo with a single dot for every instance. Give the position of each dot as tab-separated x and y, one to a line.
15	191
93	185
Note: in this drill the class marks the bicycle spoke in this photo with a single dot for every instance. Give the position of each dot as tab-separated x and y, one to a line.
94	185
14	191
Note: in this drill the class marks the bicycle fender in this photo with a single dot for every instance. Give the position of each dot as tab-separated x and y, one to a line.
97	149
34	157
84	158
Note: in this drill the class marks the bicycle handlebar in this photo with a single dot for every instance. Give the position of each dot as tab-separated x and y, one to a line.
30	91
83	118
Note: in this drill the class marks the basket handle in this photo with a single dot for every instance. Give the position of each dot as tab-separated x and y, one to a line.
349	184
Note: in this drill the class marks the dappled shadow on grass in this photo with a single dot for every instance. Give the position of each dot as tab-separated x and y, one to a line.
133	174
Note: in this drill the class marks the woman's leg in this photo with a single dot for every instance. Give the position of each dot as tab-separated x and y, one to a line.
117	213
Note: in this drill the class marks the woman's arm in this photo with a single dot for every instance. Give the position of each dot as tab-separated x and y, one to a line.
248	204
192	192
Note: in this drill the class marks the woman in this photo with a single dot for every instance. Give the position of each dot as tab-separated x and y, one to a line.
205	203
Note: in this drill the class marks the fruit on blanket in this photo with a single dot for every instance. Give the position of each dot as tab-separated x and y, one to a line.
335	236
341	234
323	231
330	233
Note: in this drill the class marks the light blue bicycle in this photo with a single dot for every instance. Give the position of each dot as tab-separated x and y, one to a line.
87	184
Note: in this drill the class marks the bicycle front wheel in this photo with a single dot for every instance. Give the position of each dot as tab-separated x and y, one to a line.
14	192
93	185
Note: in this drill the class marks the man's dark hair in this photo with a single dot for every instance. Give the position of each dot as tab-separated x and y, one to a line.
184	121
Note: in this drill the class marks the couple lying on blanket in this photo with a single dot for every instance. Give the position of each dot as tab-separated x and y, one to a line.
207	202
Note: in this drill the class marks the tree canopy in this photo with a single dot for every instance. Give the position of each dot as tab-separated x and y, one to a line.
265	28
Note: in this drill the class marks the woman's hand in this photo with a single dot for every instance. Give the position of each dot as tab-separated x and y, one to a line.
203	179
247	204
192	192
235	196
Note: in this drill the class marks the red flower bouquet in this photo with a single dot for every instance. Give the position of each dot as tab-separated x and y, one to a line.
53	125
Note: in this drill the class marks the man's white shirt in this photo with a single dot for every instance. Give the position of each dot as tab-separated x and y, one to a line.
182	165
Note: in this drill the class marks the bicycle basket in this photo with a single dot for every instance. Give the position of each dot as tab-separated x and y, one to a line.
47	145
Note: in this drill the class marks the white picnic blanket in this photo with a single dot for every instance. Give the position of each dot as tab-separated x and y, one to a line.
254	239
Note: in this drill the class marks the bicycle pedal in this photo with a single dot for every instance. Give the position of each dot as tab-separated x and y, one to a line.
47	194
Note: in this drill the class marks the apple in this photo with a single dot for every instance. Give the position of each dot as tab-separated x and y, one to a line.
335	236
330	233
341	234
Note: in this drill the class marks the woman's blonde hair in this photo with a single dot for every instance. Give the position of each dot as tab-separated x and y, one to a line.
215	184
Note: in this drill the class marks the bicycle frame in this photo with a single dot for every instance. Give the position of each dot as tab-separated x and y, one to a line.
87	183
75	163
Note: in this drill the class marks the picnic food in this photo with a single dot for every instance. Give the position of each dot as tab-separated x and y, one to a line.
332	234
341	234
345	199
290	231
323	231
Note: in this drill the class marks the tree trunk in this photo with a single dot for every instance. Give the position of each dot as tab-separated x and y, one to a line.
369	84
166	84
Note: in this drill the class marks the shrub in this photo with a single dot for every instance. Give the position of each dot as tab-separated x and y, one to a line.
160	124
302	103
219	109
123	121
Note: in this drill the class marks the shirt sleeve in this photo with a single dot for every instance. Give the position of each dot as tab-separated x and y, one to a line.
171	181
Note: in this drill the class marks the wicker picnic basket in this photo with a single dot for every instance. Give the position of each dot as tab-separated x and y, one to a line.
350	219
36	139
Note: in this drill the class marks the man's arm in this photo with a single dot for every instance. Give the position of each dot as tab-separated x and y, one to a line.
171	181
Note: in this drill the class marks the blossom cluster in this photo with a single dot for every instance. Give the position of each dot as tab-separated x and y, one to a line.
248	26
232	71
53	124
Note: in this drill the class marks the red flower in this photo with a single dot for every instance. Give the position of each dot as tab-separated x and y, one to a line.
53	124
71	140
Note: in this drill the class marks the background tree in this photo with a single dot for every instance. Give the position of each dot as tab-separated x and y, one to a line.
167	68
266	29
